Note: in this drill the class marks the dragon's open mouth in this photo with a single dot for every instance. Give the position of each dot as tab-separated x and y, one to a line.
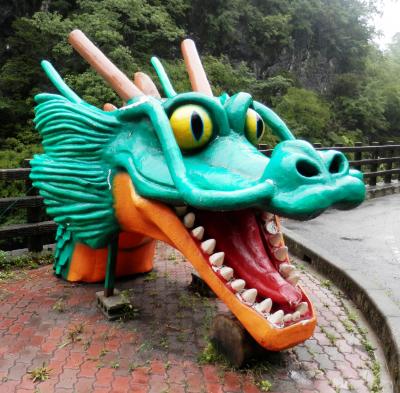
240	255
248	254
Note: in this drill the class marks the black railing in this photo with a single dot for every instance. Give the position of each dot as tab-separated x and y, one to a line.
380	164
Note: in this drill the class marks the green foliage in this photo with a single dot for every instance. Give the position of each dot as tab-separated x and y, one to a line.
306	113
24	261
312	60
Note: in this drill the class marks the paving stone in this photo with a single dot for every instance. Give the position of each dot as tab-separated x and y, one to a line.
158	350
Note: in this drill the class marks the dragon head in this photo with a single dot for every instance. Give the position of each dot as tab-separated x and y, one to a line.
186	170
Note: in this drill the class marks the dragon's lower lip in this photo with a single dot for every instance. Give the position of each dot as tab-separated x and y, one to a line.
250	306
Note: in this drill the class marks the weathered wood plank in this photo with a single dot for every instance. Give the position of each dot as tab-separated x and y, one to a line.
37	228
15	174
21	202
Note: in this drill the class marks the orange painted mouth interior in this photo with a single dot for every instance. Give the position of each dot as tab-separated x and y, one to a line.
159	221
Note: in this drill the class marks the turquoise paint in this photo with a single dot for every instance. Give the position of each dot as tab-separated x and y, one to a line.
84	147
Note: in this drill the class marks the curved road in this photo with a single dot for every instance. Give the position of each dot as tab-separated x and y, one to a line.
366	239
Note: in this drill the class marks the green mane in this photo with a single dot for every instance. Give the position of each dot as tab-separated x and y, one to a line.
71	176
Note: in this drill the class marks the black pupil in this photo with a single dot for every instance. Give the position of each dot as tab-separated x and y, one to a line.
196	123
260	126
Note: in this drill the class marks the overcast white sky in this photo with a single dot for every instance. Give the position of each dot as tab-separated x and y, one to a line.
389	22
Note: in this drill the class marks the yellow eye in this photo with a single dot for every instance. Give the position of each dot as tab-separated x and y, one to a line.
254	127
192	126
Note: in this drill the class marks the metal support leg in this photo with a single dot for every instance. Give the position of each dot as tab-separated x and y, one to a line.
111	267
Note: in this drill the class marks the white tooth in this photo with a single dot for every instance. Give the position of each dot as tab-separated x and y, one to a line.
180	210
267	216
188	220
265	306
288	318
249	296
276	239
198	233
277	317
302	308
271	227
296	316
208	246
293	278
217	259
226	272
238	285
285	269
281	254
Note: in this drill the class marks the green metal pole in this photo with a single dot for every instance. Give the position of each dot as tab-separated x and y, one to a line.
109	281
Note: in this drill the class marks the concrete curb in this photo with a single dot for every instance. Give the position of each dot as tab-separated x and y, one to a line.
381	312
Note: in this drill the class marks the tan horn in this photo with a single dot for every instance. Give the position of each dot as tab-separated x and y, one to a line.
144	83
122	85
197	75
107	107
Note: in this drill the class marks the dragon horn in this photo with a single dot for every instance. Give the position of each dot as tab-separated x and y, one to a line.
107	107
124	87
197	75
144	83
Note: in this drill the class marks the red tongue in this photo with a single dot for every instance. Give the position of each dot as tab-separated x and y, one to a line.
238	235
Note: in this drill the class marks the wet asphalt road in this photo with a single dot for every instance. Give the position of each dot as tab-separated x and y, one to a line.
366	238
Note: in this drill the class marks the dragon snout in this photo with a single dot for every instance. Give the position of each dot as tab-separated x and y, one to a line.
309	181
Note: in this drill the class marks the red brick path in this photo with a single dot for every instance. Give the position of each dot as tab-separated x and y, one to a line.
158	350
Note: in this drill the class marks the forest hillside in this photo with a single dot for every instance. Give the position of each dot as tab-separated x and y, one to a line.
312	61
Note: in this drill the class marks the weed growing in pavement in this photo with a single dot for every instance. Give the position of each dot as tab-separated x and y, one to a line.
132	367
152	276
7	275
374	366
129	312
265	385
171	257
352	316
326	284
40	374
211	355
330	336
59	306
86	344
348	325
74	335
164	343
75	332
114	364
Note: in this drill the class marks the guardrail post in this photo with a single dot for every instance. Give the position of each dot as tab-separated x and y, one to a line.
389	166
374	167
358	155
34	242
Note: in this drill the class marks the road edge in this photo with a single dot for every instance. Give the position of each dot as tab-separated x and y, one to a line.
380	311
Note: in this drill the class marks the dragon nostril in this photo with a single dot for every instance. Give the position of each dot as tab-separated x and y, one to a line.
307	168
336	164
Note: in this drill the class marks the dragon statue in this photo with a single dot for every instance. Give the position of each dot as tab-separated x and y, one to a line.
185	170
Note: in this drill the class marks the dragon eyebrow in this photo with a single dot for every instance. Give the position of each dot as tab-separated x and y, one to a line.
197	75
163	77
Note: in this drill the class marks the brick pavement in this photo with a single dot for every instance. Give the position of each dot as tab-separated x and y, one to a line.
46	321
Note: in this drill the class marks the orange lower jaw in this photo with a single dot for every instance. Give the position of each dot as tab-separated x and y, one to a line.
156	220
